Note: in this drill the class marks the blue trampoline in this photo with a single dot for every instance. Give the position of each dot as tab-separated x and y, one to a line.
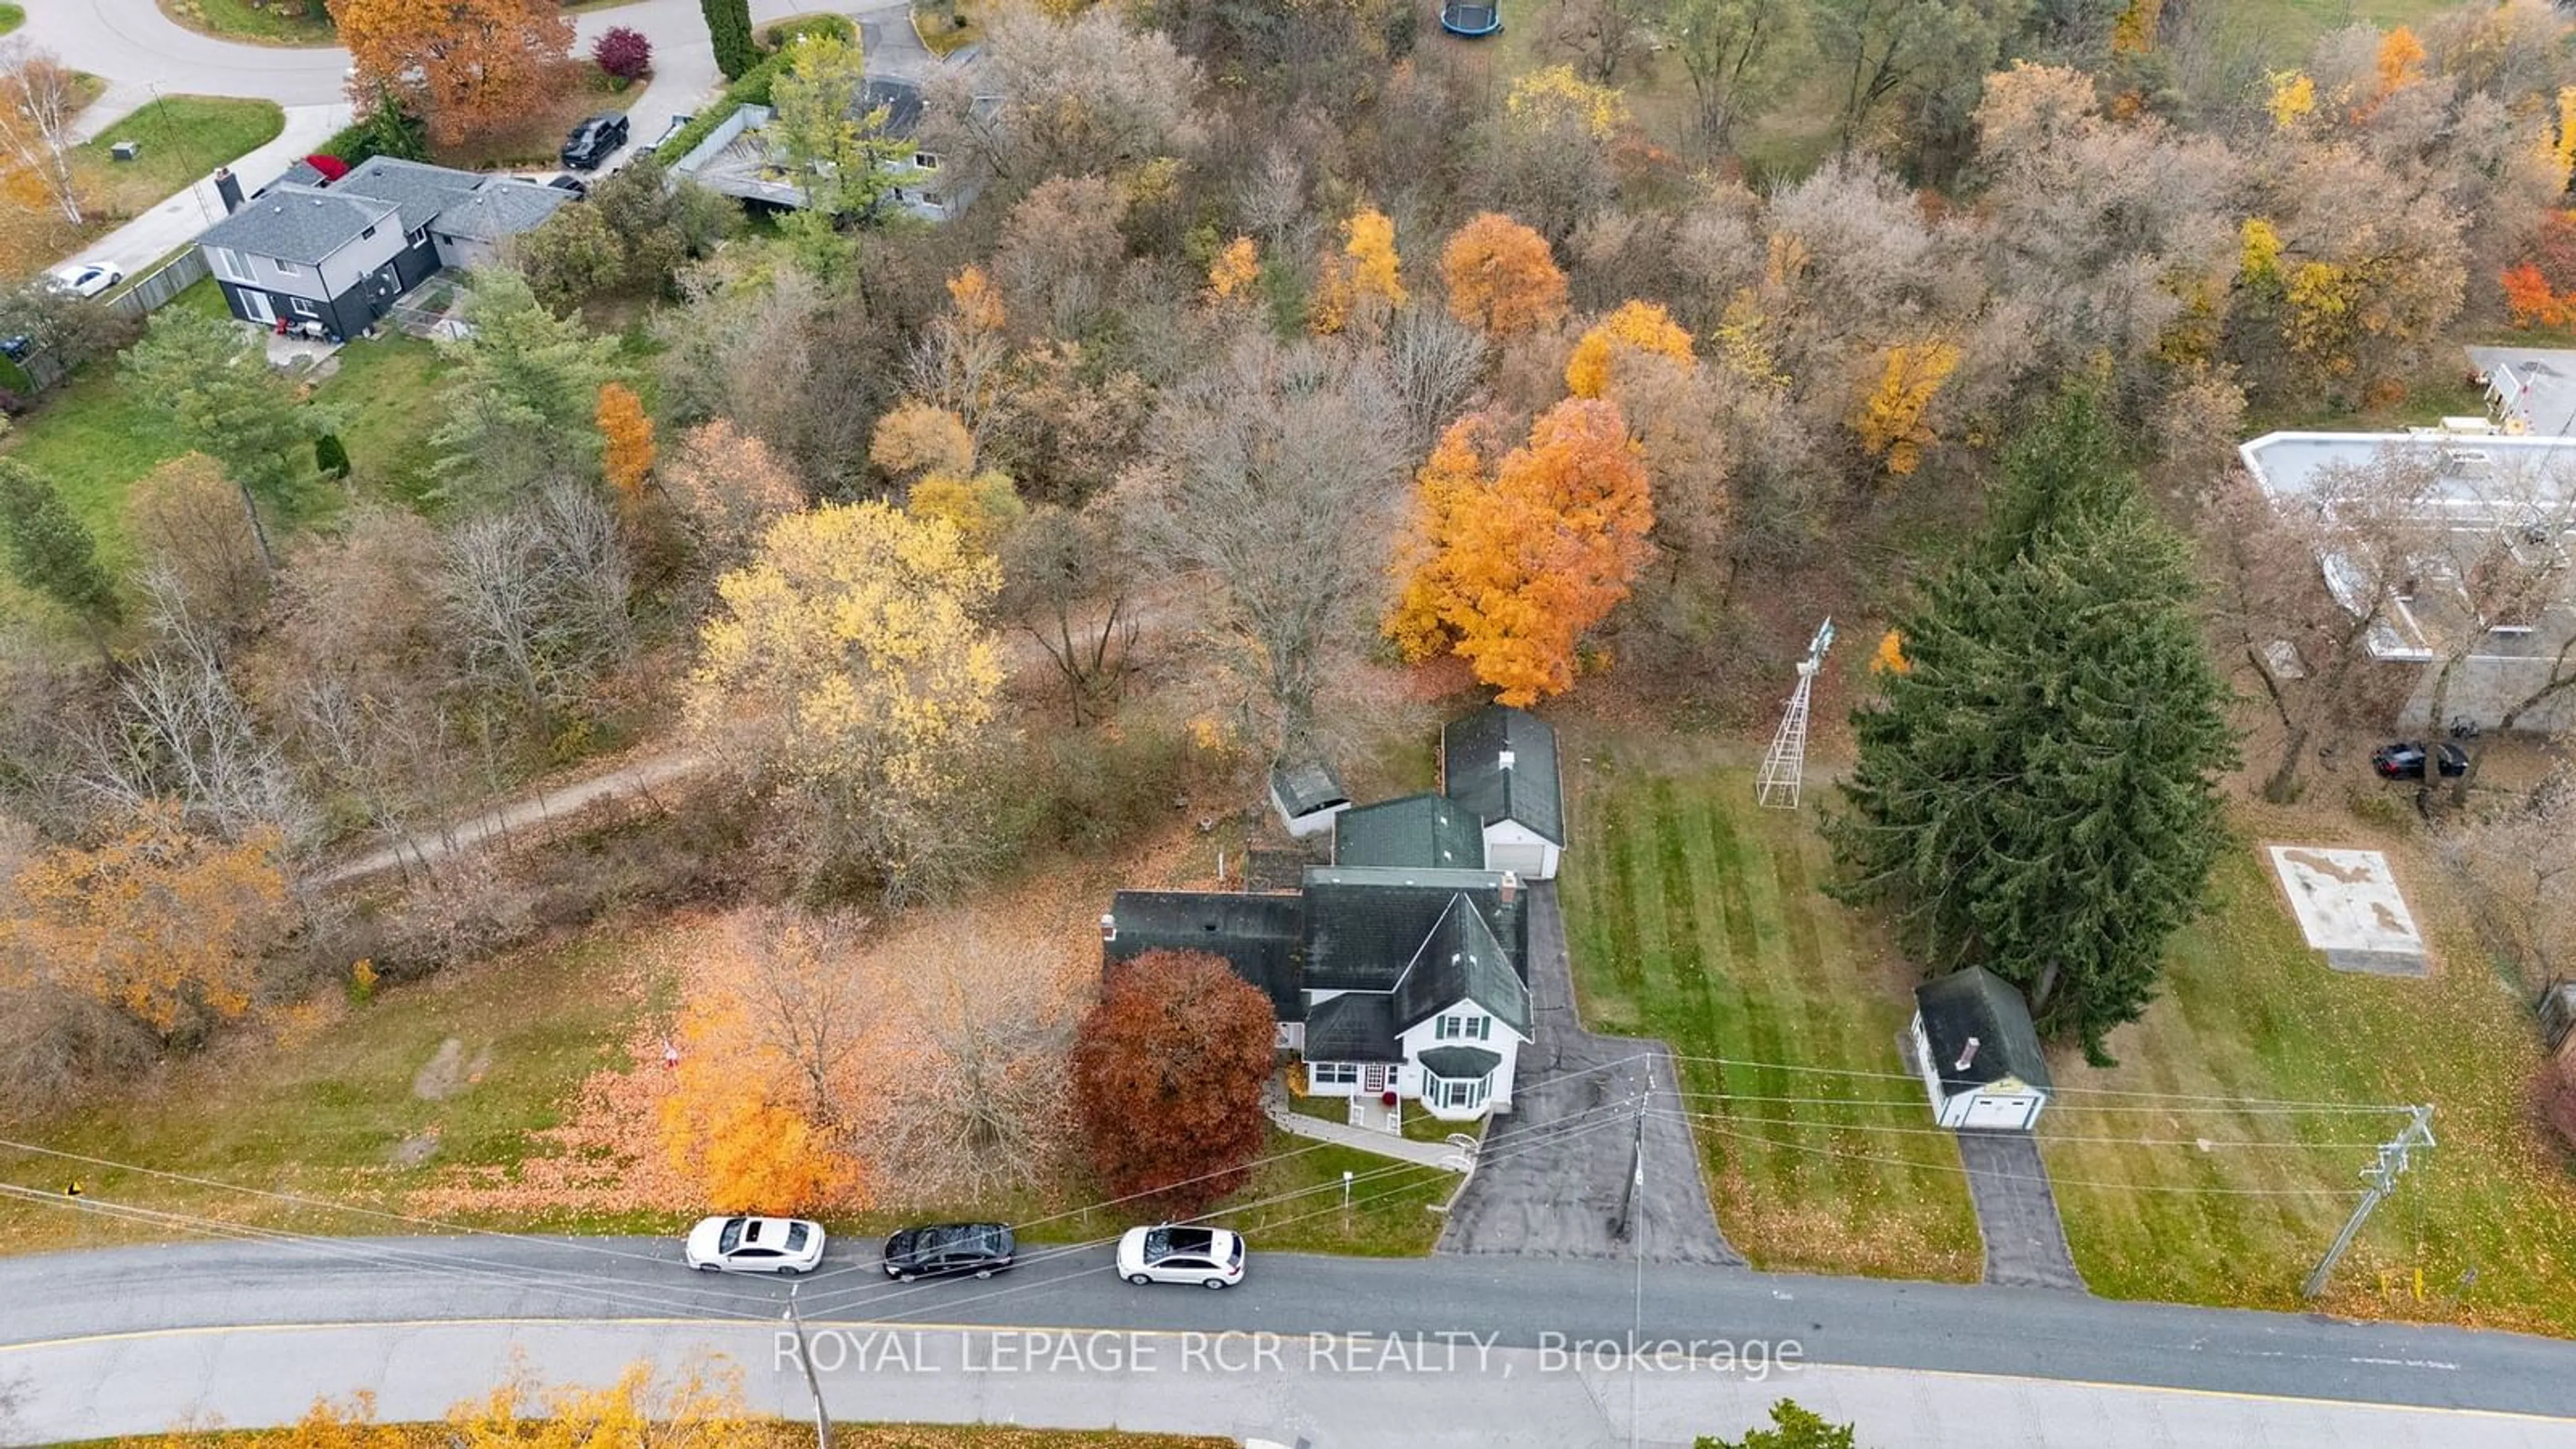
1464	19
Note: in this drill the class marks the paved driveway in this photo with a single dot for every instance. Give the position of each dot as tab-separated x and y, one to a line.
1556	1174
2017	1212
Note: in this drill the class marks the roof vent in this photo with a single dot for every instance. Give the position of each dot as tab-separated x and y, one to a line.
1108	926
1507	759
1967	1054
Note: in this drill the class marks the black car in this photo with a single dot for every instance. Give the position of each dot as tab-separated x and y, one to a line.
566	181
16	348
593	142
2406	762
949	1250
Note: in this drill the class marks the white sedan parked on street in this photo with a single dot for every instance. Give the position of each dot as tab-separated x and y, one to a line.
88	279
786	1246
1208	1257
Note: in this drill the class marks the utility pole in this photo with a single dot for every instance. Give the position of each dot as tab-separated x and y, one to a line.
2382	1177
1635	1218
805	1360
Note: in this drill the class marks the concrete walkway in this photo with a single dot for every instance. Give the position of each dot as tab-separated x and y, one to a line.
1556	1177
1274	1101
2017	1212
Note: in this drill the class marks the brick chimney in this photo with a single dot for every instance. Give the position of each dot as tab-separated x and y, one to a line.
1967	1053
1511	888
1108	927
228	186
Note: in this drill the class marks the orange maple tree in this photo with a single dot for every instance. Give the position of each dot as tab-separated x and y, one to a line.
1508	567
167	925
628	455
735	1125
467	68
1637	327
1501	277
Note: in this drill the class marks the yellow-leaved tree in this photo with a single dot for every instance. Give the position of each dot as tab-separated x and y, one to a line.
1636	327
1236	270
1890	416
1369	243
930	448
1501	277
847	670
165	925
626	453
1510	567
698	1407
917	438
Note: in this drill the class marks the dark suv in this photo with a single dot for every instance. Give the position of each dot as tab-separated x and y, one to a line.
593	142
2406	761
949	1250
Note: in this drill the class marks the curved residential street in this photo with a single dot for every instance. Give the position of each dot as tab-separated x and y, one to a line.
127	1339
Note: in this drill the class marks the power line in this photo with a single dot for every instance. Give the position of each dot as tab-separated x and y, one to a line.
2060	1091
2204	1143
1961	1168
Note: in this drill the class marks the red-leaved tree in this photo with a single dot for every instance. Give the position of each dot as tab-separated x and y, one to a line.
623	54
1167	1078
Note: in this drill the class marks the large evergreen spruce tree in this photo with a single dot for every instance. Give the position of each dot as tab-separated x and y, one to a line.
2035	792
729	28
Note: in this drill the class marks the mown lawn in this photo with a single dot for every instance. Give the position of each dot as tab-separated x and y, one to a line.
181	139
2488	1217
1694	917
294	22
96	437
319	1102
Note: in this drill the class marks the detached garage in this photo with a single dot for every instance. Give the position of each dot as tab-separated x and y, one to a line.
1978	1053
1499	764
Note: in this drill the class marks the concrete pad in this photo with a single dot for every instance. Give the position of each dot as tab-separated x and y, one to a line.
2348	905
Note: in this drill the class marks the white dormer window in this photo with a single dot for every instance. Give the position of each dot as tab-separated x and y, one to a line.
1463	1028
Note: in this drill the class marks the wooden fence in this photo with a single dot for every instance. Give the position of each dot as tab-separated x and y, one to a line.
156	287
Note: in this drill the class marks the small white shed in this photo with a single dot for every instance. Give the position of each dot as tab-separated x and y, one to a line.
1307	796
1978	1053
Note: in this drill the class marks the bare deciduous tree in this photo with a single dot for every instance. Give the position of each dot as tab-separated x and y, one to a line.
183	732
1435	363
1066	580
1273	488
2518	860
39	99
1047	96
538	597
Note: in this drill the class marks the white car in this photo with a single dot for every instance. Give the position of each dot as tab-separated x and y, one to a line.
787	1246
89	279
1208	1257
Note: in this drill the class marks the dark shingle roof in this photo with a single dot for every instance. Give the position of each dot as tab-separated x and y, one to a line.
1260	936
902	103
502	207
420	189
1364	924
1978	1003
1418	830
297	224
1473	774
1461	961
1355	1026
1303	789
1460	1063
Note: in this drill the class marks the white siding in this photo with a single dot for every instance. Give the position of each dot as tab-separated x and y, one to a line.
1500	1039
1512	846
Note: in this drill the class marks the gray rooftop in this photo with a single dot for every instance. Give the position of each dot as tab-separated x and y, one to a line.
1500	762
502	207
1976	1004
2533	388
298	224
1430	831
420	189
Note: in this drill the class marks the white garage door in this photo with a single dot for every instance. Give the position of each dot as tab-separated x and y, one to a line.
2001	1111
1527	860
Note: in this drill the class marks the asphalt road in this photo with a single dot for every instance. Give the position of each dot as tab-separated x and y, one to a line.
2033	1334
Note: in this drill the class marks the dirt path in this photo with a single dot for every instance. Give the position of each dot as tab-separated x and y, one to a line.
533	811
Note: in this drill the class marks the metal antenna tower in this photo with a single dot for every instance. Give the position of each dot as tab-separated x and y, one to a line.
1776	788
2382	1177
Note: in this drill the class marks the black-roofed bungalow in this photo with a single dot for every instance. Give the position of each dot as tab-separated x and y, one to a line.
1978	1053
1500	763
